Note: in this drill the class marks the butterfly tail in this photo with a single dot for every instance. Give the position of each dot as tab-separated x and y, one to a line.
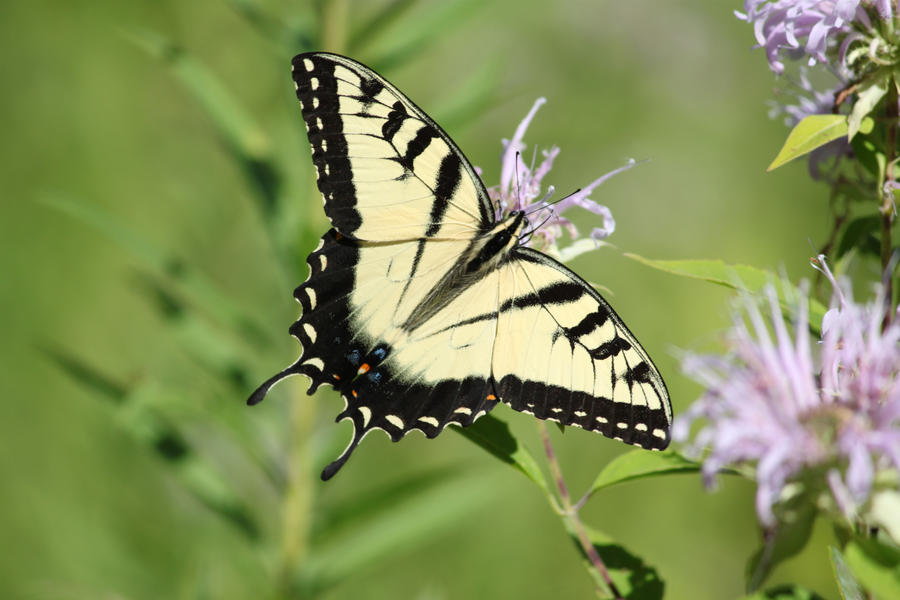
329	471
257	396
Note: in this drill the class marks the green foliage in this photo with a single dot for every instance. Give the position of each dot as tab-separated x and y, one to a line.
847	583
807	135
785	592
633	578
739	277
785	540
640	464
869	95
494	435
875	565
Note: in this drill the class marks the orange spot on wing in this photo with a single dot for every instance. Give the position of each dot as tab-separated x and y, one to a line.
336	377
364	368
491	397
354	393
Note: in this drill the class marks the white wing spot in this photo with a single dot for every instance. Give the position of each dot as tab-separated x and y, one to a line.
319	125
463	410
640	427
314	83
622	425
315	102
556	410
311	293
580	413
310	331
430	420
315	362
324	145
394	420
366	413
659	433
308	64
530	404
323	261
602	420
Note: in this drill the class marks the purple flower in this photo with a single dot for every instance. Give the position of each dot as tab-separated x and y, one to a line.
813	28
769	402
521	188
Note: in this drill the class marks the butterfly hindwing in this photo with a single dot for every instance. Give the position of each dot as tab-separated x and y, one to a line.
562	353
353	338
386	171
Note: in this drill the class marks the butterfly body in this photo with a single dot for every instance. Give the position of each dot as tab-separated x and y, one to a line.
422	308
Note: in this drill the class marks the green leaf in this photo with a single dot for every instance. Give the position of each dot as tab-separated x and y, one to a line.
375	503
493	435
875	566
868	96
868	154
807	135
179	279
738	277
227	358
861	234
787	591
242	136
375	26
795	524
474	95
633	578
287	39
85	375
847	584
885	512
408	42
409	523
640	464
151	429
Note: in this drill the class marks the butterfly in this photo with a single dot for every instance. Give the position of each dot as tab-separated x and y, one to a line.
422	308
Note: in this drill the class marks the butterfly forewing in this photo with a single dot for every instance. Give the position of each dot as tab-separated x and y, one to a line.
386	171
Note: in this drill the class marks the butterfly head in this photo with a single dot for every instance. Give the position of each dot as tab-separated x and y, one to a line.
493	246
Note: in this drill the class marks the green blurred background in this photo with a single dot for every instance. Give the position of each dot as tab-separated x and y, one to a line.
94	502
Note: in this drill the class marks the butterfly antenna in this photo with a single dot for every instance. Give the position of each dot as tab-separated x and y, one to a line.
526	236
518	184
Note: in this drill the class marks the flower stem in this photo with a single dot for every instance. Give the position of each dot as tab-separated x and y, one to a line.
572	521
886	194
333	25
297	502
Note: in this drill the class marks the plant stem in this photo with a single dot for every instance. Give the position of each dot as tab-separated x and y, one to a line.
298	497
333	25
573	522
886	194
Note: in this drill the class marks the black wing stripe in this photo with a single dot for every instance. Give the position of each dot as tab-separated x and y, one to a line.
448	180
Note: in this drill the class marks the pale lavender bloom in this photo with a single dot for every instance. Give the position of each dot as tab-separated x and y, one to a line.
521	188
811	27
768	402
